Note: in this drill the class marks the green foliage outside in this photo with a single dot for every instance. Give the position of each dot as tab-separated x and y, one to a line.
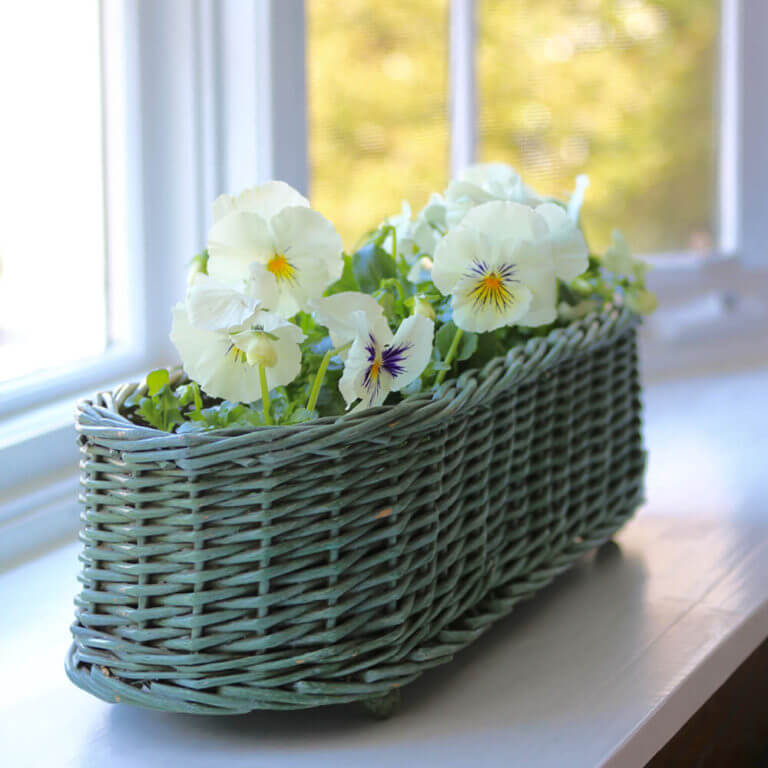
622	90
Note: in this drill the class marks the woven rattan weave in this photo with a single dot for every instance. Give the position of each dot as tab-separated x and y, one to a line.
288	567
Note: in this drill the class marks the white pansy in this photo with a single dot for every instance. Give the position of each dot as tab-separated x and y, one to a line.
340	314
569	249
484	183
431	224
224	362
404	225
273	226
413	237
267	199
214	305
379	363
498	267
434	212
425	237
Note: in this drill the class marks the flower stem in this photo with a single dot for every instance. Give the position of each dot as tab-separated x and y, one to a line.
320	376
265	403
449	357
318	382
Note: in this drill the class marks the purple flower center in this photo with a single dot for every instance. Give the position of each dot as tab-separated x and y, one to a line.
390	359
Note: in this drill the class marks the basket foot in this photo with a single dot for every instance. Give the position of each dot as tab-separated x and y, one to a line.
608	550
383	707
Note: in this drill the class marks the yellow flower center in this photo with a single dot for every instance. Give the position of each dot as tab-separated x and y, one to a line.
373	372
491	289
281	268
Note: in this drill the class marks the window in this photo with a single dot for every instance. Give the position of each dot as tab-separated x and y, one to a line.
140	113
624	91
52	236
378	108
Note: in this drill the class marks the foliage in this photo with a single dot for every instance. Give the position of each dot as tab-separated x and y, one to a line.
377	268
622	89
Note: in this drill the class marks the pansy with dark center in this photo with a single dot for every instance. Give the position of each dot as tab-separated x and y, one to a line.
490	286
390	359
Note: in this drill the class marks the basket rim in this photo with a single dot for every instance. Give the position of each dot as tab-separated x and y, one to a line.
99	419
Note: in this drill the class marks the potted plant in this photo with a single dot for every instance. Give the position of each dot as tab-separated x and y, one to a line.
365	459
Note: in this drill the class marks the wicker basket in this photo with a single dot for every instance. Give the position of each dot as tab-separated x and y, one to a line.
289	567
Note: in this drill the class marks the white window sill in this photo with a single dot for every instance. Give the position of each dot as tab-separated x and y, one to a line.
601	669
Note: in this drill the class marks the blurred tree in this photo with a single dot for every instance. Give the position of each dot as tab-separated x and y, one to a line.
378	96
623	90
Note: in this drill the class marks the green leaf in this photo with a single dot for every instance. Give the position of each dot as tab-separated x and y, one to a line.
489	345
370	265
443	338
467	346
347	281
300	415
156	380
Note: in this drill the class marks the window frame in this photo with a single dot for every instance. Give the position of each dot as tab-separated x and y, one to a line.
191	109
215	112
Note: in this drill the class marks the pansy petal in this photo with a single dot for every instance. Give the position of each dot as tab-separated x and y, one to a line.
466	190
351	381
273	323
262	285
571	256
410	350
454	254
434	212
535	269
489	173
288	364
335	313
425	237
269	199
470	316
223	205
207	359
214	306
306	238
505	219
235	242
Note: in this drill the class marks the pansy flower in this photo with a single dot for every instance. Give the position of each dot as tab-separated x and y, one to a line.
499	267
273	226
214	305
484	183
569	248
414	237
225	361
380	362
340	314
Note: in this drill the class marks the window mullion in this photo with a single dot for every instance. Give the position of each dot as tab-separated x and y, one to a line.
463	84
753	129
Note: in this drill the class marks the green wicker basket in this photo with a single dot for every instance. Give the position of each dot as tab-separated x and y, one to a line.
289	567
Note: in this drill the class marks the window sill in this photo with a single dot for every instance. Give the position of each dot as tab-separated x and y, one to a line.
604	667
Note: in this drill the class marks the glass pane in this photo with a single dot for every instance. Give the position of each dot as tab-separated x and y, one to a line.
378	100
620	89
52	294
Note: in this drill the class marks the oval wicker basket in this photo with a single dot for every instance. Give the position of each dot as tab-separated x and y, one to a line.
289	567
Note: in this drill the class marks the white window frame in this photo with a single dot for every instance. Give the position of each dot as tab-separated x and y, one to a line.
714	313
200	97
219	91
